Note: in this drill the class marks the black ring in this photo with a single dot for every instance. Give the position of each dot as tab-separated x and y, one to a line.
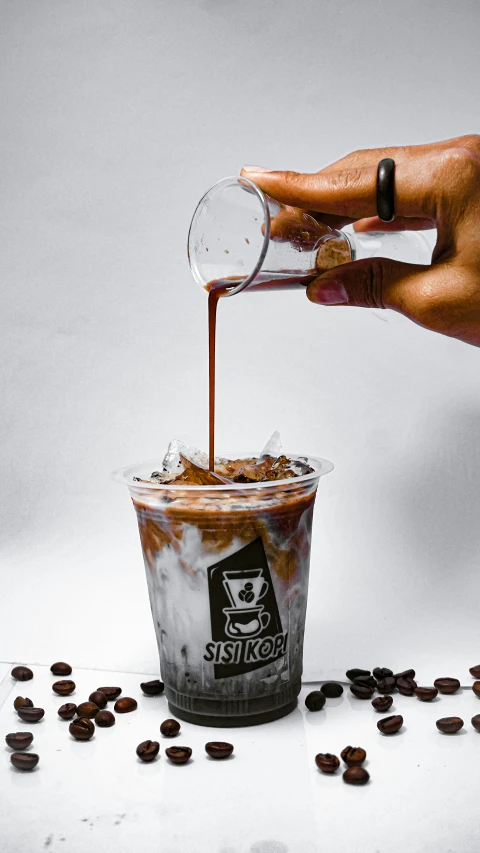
386	189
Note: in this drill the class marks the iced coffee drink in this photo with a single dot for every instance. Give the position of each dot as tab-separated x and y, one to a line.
227	555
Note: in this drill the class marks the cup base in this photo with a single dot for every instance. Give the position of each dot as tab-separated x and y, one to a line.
260	713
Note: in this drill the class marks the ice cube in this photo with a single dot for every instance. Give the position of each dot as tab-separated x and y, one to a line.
197	475
171	461
273	447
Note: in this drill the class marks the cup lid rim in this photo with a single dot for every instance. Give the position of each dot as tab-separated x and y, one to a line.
125	476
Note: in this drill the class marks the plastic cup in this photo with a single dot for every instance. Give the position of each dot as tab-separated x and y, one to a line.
227	572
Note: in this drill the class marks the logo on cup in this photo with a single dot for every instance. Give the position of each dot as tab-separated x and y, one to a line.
246	628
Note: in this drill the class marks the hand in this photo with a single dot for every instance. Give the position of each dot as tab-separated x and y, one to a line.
436	185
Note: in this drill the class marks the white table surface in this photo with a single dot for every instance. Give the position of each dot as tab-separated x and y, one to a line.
268	798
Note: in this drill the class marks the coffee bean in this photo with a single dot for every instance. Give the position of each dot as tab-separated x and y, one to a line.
20	702
218	749
61	668
326	762
19	740
449	725
426	694
354	673
447	685
153	688
22	673
407	673
148	750
353	756
476	688
179	754
366	681
475	671
67	711
476	722
406	686
30	715
315	700
63	688
356	776
361	691
98	698
170	728
382	703
381	672
110	692
24	760
104	719
88	709
125	705
386	685
390	725
82	728
332	690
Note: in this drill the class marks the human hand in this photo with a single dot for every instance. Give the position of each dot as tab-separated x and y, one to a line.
436	185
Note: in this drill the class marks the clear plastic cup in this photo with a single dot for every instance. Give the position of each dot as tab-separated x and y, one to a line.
227	572
239	234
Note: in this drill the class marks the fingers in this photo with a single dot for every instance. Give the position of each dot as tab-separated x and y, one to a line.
369	283
352	192
400	223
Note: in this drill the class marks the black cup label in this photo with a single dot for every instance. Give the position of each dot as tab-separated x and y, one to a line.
246	628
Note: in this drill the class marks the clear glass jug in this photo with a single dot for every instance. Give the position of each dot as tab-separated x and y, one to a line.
239	234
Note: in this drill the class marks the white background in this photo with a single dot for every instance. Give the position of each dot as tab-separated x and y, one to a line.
116	116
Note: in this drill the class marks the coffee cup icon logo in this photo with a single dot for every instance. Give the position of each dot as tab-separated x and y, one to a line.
245	622
245	588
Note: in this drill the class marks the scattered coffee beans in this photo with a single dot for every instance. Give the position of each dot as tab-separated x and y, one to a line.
98	698
20	702
315	700
148	750
449	725
81	728
218	749
356	776
170	728
426	694
476	688
354	673
61	668
63	688
382	703
475	671
24	760
88	709
326	762
386	685
390	725
67	711
332	690
476	722
22	673
153	688
125	705
447	685
406	686
30	715
366	680
110	692
353	756
104	719
19	740
381	672
361	691
407	673
179	754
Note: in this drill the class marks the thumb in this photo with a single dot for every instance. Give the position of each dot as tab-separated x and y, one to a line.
371	283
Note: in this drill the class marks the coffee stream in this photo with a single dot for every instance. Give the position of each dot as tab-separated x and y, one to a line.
218	288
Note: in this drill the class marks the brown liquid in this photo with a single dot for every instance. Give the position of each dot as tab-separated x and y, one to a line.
216	289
